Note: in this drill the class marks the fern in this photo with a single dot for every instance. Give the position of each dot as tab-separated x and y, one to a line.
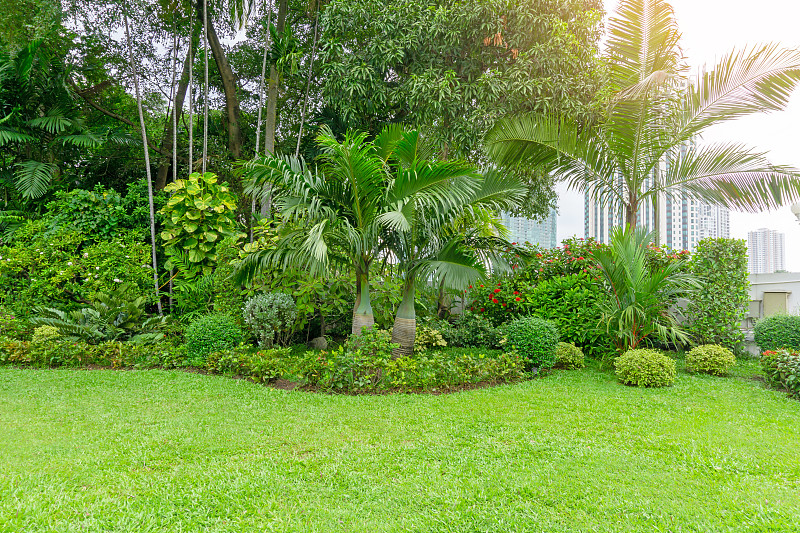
34	177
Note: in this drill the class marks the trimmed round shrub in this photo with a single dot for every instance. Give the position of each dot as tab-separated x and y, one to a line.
271	317
778	331
535	339
645	368
710	359
212	333
569	356
44	334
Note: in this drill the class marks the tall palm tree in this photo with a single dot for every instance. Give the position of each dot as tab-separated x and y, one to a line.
425	230
655	115
345	208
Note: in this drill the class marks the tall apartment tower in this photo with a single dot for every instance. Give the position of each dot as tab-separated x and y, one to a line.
526	230
765	251
683	222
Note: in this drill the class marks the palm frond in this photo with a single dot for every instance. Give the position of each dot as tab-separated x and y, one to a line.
11	135
54	122
33	178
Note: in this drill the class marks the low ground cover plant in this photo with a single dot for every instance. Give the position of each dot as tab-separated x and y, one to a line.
643	367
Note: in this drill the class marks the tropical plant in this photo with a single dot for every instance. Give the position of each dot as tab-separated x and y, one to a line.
272	317
641	297
655	115
198	216
114	316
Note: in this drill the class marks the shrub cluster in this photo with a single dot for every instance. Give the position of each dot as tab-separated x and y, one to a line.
535	339
782	370
471	330
260	366
778	331
569	356
645	368
212	333
271	317
710	359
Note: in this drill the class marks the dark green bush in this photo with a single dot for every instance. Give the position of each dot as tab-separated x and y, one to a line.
569	356
535	339
778	331
645	368
710	359
212	333
471	330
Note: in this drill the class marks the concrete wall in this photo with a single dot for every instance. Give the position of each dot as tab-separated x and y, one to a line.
771	294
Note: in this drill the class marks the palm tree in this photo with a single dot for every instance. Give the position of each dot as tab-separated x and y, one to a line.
655	116
640	295
425	229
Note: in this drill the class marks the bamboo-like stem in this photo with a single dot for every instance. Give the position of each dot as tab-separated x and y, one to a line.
205	85
146	163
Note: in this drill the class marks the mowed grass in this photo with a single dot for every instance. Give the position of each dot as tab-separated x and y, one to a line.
576	451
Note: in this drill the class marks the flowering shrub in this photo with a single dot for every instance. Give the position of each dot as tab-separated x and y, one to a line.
11	326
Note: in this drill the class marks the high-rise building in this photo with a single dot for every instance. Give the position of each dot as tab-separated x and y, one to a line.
534	232
765	251
683	222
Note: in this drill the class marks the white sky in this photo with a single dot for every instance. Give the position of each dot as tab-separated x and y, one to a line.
710	28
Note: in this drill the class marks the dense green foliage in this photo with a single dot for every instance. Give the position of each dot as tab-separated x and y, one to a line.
535	339
569	356
716	309
200	213
212	333
782	370
271	317
643	367
471	330
777	331
710	359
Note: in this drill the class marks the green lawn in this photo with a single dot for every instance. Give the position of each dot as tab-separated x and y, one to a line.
172	451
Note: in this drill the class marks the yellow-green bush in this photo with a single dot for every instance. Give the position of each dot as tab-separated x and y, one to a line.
710	359
569	356
645	368
45	333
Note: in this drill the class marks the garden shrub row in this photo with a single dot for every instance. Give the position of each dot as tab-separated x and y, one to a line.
782	370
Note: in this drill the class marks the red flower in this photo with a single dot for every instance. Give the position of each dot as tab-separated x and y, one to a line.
481	285
496	291
504	305
581	258
518	298
470	286
481	309
516	292
494	300
499	284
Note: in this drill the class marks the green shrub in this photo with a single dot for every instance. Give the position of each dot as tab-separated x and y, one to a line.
452	368
271	317
471	330
535	339
211	333
782	370
645	368
569	356
710	359
778	331
715	312
11	326
45	334
260	366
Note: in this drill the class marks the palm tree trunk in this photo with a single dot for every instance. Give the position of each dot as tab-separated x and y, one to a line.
146	163
404	331
362	315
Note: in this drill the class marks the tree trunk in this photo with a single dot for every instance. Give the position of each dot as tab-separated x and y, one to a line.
362	315
404	331
135	72
167	141
308	84
272	99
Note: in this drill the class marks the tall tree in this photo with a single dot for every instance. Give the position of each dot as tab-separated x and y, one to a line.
655	116
135	73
